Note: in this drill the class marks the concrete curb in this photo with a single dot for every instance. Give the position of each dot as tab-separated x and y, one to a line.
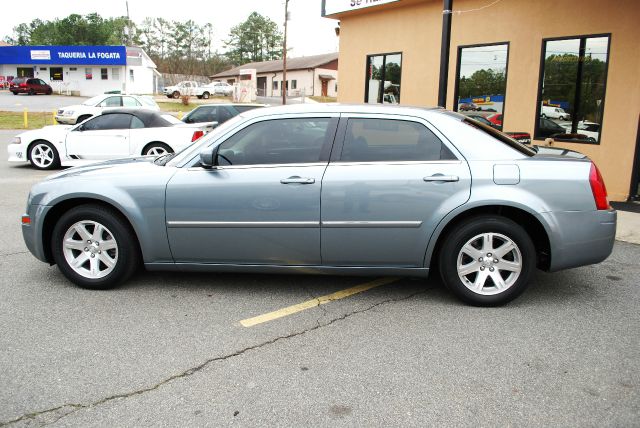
628	227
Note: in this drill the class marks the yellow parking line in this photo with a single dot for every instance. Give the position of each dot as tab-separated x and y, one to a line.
289	310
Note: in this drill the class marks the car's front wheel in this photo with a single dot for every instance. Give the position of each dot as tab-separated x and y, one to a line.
205	95
94	247
175	95
43	155
487	260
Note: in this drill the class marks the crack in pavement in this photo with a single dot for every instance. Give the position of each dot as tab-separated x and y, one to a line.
75	407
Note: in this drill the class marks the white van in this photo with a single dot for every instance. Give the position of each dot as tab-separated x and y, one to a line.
555	113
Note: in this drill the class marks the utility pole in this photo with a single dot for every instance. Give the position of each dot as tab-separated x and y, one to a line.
129	43
284	54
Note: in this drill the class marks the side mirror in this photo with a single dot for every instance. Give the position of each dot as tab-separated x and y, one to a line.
79	128
208	157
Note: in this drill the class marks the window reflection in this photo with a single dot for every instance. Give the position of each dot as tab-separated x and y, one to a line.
482	82
383	79
573	89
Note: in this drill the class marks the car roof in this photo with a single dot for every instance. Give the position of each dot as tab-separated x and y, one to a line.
346	108
150	118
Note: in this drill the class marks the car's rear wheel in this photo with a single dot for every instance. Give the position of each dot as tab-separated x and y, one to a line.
49	91
43	155
157	149
31	92
206	95
487	260
94	247
175	95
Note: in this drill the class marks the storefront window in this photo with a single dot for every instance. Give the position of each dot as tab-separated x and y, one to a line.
482	82
104	73
383	79
88	73
572	89
55	73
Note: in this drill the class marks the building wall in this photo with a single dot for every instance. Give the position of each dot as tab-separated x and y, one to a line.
75	82
415	30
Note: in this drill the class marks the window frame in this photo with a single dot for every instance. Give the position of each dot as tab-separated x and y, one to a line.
541	81
384	65
506	74
105	75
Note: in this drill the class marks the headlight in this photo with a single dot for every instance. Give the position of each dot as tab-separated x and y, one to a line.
16	140
68	112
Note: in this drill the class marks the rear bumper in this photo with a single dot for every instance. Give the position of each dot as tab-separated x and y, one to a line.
581	238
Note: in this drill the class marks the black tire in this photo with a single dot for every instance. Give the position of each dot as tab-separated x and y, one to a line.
36	149
31	92
151	146
206	95
128	254
471	228
14	93
49	91
175	95
199	97
83	118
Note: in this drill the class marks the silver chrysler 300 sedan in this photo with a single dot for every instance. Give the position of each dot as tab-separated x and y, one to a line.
365	190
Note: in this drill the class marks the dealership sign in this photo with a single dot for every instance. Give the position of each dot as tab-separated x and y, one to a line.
331	7
63	55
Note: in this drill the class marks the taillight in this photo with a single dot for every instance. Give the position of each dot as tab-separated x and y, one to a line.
23	85
197	135
598	188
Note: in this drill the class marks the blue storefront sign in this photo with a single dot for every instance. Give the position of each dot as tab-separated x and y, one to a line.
64	55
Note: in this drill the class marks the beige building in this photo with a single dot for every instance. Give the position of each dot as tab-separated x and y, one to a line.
311	75
566	70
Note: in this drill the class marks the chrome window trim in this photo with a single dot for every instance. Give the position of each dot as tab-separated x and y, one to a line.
260	166
234	224
438	162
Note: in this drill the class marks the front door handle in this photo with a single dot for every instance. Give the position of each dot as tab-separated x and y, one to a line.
441	178
298	180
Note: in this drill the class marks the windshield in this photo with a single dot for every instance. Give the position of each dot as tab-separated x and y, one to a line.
498	135
191	150
148	101
93	101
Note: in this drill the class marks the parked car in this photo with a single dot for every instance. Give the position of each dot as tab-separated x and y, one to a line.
214	88
519	136
468	107
212	115
554	113
366	190
482	119
187	87
29	86
548	128
113	134
96	105
495	119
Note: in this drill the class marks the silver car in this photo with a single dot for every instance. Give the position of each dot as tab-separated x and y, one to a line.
362	190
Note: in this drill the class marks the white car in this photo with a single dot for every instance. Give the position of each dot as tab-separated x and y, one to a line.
554	113
187	87
214	88
96	105
111	135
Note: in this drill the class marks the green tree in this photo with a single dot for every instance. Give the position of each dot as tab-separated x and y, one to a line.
258	38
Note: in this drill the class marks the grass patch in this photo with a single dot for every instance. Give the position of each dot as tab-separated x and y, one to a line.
175	107
14	120
324	99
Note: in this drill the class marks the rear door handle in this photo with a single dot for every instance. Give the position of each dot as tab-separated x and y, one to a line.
441	178
298	180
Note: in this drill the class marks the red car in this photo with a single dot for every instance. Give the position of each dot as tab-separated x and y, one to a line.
496	119
30	86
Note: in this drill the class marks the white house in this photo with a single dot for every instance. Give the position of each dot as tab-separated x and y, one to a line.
310	75
82	70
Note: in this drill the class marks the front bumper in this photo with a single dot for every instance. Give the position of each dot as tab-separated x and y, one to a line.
32	233
580	238
17	153
66	120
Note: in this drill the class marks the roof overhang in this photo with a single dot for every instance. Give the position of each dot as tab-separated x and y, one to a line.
326	77
339	8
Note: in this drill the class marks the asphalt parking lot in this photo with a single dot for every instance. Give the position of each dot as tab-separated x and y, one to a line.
187	350
10	102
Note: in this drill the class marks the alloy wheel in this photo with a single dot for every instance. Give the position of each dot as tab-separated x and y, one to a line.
42	155
489	263
90	249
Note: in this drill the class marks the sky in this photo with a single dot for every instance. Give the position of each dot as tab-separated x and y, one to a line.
308	33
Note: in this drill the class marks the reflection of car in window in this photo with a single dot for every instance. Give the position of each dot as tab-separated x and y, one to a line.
389	99
469	107
548	128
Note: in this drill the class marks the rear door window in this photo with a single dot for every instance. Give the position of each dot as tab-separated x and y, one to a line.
380	140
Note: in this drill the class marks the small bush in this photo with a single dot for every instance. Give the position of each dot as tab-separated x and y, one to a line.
185	100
